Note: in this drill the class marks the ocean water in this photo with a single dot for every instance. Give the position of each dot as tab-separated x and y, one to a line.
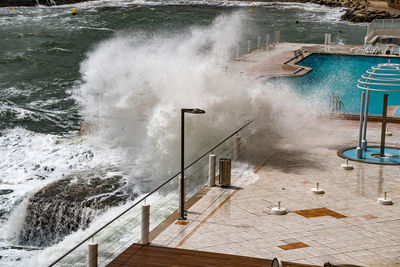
127	67
339	74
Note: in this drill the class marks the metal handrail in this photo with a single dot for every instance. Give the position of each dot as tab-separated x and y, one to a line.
146	196
335	103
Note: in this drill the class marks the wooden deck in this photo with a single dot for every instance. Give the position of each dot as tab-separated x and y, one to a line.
147	255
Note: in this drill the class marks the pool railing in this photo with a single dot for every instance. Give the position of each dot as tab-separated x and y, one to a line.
389	27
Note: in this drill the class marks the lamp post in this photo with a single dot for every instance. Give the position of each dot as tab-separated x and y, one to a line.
182	179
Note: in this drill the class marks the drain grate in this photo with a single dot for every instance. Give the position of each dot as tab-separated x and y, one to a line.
294	246
311	213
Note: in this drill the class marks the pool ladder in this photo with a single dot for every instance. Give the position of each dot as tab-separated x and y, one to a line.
335	103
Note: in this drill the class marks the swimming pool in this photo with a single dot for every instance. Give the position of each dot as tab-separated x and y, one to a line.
338	74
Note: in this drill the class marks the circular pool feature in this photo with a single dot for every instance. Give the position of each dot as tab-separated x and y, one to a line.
372	155
386	155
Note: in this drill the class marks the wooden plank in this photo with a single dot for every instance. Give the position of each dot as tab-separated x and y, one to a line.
146	255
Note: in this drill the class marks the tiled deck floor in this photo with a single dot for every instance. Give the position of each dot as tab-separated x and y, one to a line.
368	234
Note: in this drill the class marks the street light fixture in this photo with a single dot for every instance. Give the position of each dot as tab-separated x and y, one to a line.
182	179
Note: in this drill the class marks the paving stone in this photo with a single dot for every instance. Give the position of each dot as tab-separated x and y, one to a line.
345	225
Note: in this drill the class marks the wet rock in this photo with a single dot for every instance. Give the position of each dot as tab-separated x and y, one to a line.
360	17
69	204
6	191
5	3
364	13
6	202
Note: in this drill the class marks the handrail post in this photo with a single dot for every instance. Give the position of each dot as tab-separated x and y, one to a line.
236	148
248	46
145	224
364	143
267	40
212	162
237	52
383	132
359	149
93	254
277	37
259	42
337	102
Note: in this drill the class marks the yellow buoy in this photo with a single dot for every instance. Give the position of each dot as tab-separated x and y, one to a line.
250	10
124	14
253	4
74	11
12	9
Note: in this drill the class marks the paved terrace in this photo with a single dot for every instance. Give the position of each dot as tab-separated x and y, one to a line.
345	225
263	63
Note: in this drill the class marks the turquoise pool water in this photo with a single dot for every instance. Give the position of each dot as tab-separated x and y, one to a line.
338	74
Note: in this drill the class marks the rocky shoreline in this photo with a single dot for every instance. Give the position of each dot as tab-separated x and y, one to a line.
357	10
15	3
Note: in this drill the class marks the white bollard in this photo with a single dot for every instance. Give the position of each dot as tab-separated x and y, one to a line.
385	200
145	225
236	148
92	259
387	132
317	190
248	46
328	39
347	166
267	39
237	52
278	210
212	171
259	42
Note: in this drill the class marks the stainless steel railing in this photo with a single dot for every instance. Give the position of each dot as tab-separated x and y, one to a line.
124	229
335	103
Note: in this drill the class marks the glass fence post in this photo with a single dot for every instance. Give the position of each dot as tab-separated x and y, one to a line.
93	253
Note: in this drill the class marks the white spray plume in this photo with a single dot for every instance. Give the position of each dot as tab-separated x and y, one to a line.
134	87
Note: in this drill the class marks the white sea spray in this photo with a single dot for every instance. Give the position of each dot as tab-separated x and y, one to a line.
134	87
